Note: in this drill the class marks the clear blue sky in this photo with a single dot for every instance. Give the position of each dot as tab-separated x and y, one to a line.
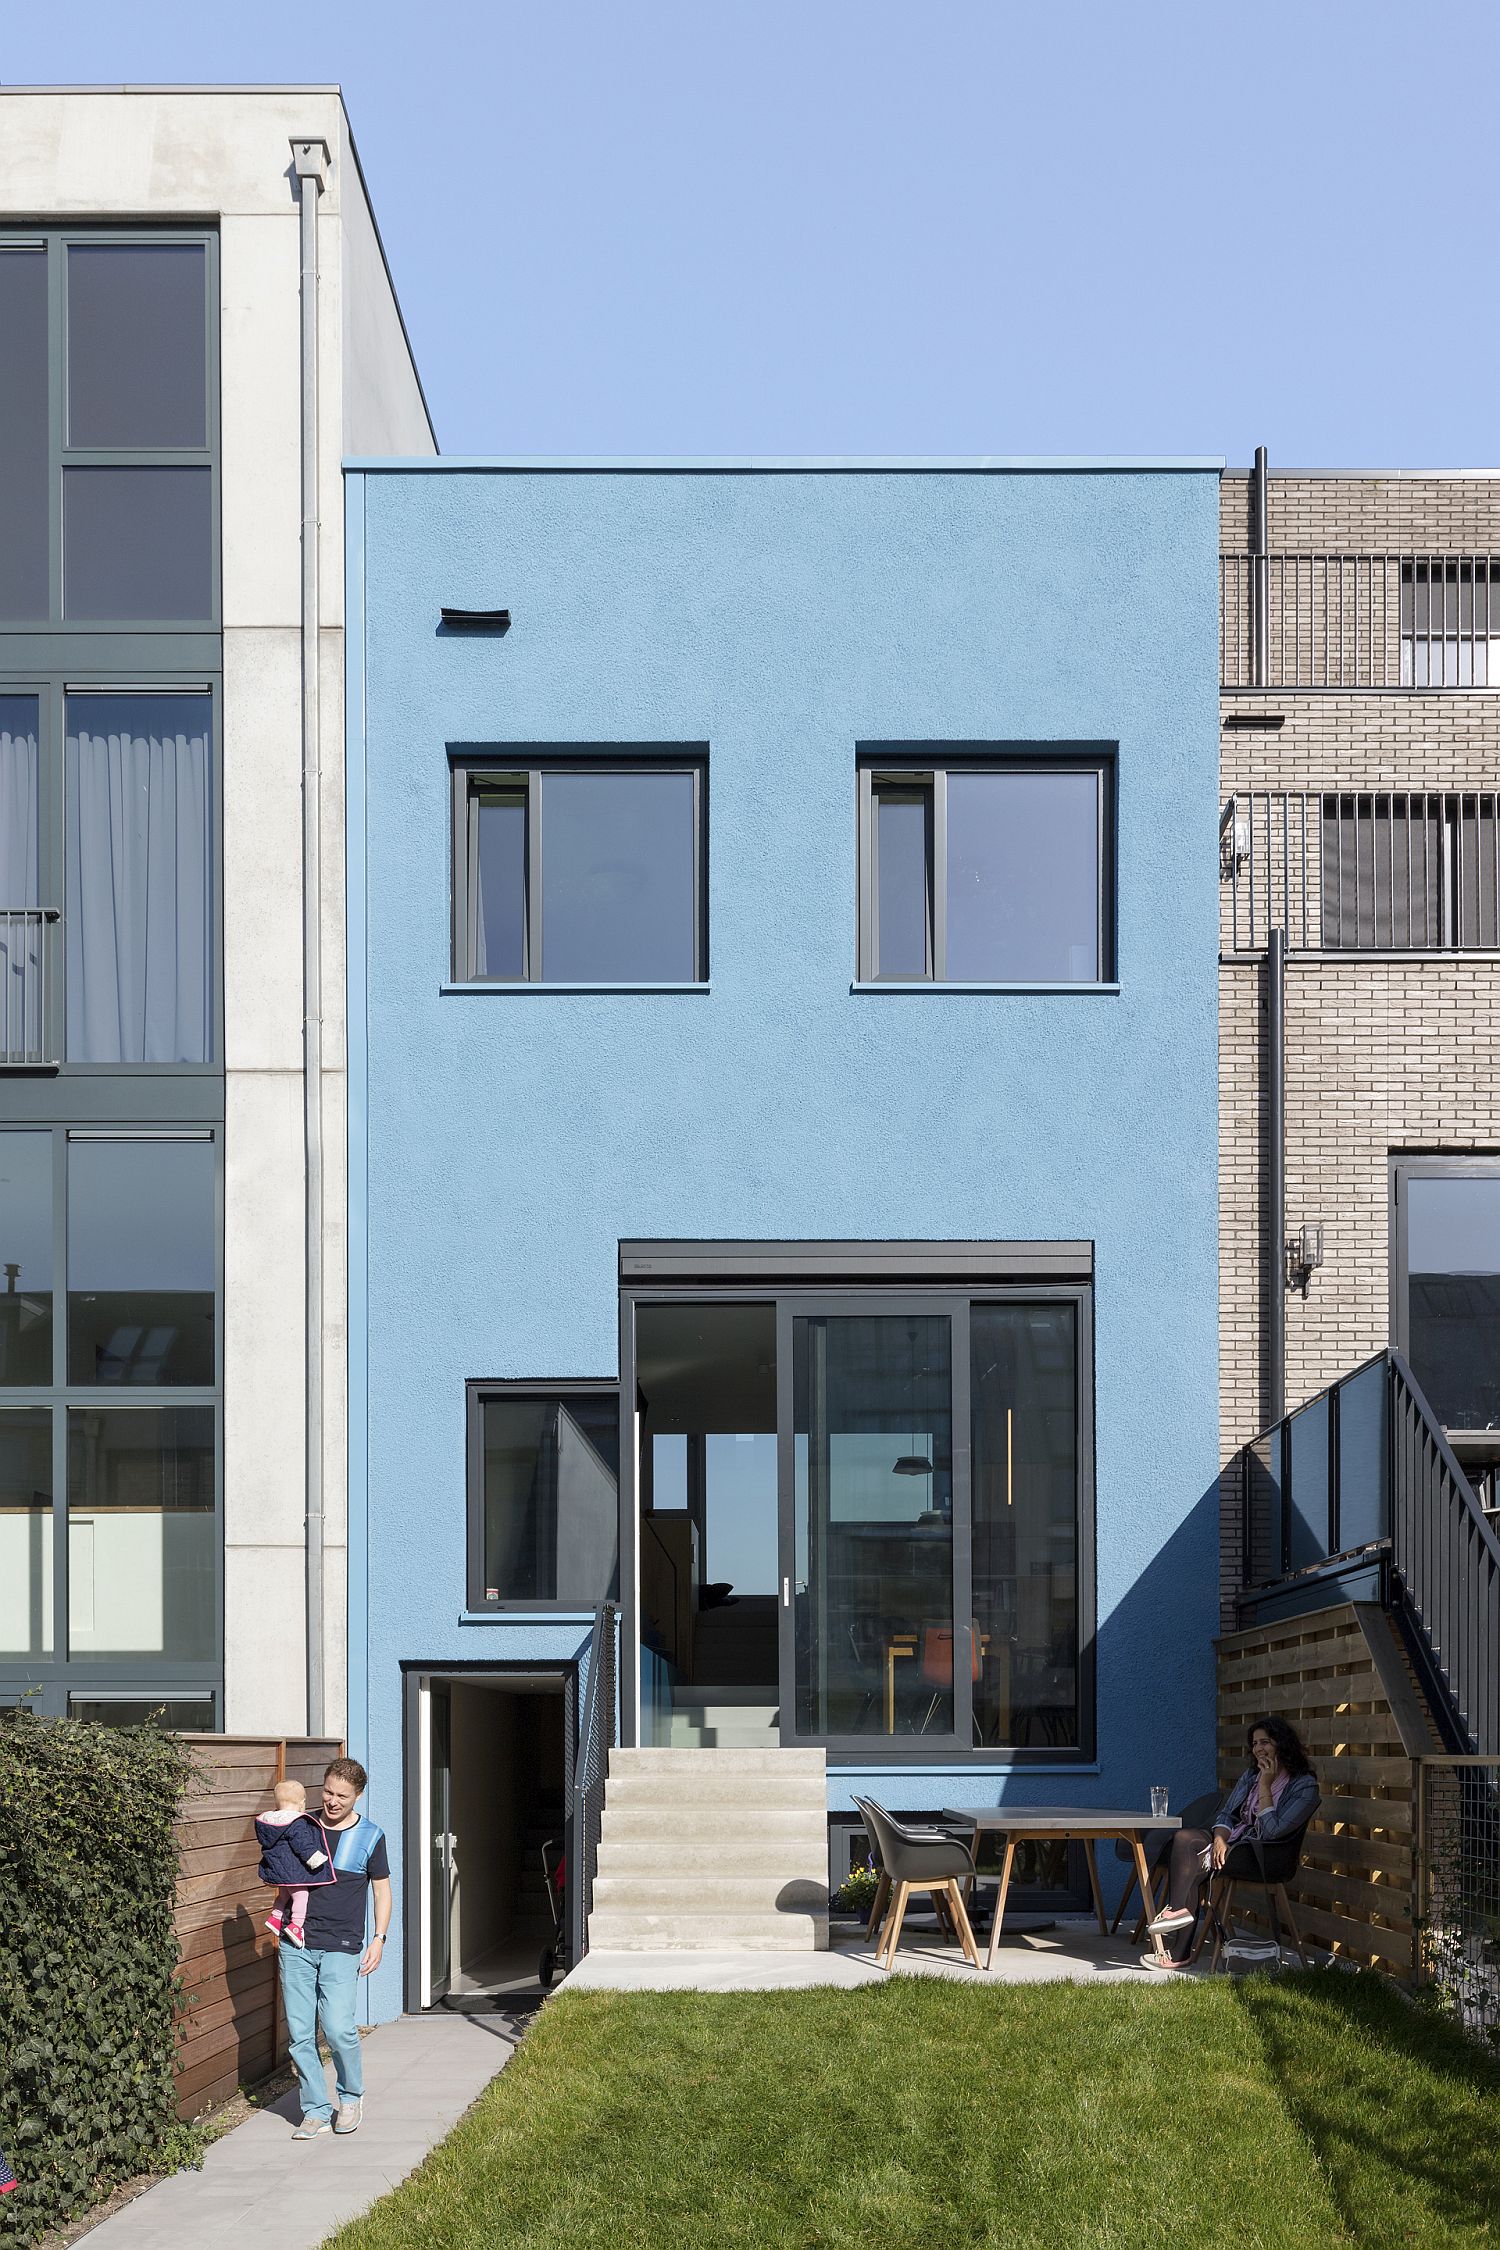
809	226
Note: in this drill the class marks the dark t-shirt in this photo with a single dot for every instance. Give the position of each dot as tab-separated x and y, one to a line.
336	1912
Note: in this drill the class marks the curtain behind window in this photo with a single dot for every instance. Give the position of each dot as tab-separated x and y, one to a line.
139	879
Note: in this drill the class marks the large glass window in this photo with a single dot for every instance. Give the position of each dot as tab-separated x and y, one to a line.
142	1562
137	344
580	875
26	1532
26	1259
980	873
140	894
1448	1234
545	1509
23	927
107	428
141	1237
24	540
873	1523
1024	1403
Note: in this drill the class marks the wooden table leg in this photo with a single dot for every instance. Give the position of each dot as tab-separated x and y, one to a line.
1143	1877
1010	1853
1088	1853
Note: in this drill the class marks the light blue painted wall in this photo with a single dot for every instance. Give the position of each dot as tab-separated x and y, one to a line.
502	1145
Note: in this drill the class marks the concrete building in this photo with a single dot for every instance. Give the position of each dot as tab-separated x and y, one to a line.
783	1132
196	324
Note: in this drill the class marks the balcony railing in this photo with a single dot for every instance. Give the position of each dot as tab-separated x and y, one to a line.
26	941
1386	621
1346	870
1362	1478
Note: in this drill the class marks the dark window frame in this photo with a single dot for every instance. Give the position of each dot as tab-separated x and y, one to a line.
1481	1164
957	1276
54	242
59	1674
522	767
52	686
478	1392
899	769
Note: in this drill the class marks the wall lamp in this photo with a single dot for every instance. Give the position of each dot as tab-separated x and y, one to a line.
1304	1255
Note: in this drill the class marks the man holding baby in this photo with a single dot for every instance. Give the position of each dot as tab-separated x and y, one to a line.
319	1979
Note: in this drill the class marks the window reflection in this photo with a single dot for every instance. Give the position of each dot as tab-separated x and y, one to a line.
25	1531
1024	1402
141	1544
873	1454
551	1498
26	1258
141	1233
1453	1300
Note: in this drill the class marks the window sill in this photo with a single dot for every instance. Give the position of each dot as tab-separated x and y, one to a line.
497	990
526	1613
926	985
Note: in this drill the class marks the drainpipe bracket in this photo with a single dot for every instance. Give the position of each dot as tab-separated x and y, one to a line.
311	160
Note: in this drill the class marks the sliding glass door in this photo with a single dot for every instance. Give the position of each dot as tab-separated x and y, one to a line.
921	1576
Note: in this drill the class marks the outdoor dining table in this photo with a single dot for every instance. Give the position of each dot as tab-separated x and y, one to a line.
1062	1824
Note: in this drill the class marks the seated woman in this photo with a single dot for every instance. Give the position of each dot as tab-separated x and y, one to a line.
1275	1795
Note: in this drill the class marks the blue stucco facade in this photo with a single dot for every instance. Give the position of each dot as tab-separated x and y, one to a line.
504	1142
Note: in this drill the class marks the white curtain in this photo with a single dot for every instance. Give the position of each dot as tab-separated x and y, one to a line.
139	884
21	1026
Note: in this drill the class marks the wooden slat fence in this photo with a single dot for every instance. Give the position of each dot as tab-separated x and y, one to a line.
1341	1678
232	2033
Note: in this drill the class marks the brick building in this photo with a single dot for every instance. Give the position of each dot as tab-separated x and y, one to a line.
1360	707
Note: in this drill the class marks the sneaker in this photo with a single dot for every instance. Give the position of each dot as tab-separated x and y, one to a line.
1165	1963
312	2127
275	1921
349	2116
1172	1918
292	1935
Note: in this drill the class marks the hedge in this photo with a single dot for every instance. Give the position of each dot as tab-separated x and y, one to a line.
89	1991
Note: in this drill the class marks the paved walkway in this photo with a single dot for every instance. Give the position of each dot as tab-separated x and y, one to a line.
1065	1949
258	2185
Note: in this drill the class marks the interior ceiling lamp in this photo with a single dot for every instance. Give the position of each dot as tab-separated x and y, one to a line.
912	1465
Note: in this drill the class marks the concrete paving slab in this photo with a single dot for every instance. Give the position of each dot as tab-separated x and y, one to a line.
257	2183
1070	1950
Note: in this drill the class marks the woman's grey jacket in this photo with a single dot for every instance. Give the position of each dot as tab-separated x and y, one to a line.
1293	1809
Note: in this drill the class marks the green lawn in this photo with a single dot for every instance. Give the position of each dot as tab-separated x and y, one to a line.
1284	2113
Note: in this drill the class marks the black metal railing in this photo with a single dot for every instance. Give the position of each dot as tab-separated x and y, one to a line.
596	1737
1361	1478
1386	621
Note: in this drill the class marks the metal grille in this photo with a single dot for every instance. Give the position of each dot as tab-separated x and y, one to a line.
1458	1886
1361	621
25	943
1362	870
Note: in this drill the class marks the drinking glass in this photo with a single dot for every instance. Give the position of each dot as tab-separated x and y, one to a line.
1159	1802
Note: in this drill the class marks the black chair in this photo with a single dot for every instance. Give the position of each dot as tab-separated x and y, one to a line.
918	1860
1158	1846
1266	1867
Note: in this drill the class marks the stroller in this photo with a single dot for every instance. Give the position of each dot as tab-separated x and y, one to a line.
554	1955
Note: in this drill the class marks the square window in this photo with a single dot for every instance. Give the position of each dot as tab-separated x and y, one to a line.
985	872
137	344
544	1502
570	874
138	545
141	1238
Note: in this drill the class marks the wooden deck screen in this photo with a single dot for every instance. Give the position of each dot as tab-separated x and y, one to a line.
1342	1679
231	2032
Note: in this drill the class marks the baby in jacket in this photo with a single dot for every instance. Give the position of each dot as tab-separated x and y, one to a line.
293	1853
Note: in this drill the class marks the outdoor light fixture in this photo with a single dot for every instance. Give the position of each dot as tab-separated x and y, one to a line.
1305	1255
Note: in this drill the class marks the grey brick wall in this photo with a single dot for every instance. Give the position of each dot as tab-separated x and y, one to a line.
1382	1056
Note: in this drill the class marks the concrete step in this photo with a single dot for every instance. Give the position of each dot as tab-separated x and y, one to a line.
690	1734
620	1931
667	1826
693	1895
775	1760
704	1853
706	1783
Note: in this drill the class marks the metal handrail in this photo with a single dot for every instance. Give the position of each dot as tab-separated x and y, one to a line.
26	944
596	1735
1398	619
1422	1526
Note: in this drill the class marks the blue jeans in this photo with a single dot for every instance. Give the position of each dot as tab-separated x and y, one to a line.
319	1988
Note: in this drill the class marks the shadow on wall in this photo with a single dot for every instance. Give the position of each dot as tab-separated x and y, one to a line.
1155	1688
